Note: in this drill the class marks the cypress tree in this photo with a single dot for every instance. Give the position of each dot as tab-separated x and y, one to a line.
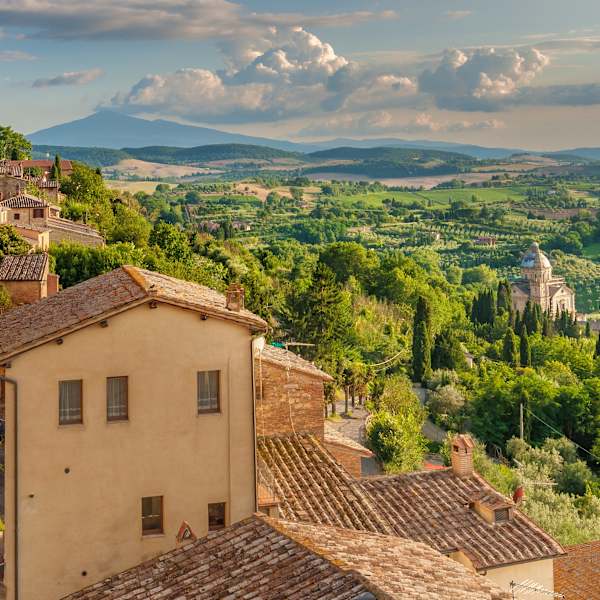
421	352
597	349
588	330
56	172
518	322
510	353
525	349
447	352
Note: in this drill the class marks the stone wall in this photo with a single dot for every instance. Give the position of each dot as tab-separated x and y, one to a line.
26	292
288	401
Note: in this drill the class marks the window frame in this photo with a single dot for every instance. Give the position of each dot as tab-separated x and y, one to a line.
161	515
125	417
205	411
218	527
38	213
70	422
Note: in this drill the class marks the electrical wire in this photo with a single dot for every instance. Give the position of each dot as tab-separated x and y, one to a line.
561	434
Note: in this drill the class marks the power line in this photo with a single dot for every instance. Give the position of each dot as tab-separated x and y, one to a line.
562	434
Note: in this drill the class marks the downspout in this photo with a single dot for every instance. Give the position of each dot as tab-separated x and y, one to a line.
253	339
14	383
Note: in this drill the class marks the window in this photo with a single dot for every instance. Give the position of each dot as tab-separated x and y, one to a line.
16	216
216	516
208	392
38	213
152	515
117	403
70	409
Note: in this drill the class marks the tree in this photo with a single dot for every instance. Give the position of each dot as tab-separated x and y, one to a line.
56	173
322	313
349	259
172	240
510	353
13	145
5	299
421	346
447	352
588	330
129	226
525	349
11	242
597	347
421	363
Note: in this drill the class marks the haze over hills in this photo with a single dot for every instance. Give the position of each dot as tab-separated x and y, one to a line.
115	131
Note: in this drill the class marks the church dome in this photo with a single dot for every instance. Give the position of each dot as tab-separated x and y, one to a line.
535	258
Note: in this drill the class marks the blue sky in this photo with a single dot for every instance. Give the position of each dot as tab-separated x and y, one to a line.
520	73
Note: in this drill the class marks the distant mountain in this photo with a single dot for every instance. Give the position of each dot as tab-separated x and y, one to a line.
589	153
387	153
469	149
110	129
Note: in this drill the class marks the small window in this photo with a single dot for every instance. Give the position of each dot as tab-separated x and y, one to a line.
70	408
216	516
117	402
152	515
38	213
16	216
208	392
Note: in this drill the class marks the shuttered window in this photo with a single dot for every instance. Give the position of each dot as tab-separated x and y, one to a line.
117	401
70	408
208	392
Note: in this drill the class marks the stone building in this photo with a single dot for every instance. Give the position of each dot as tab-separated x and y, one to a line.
27	279
29	211
539	286
14	180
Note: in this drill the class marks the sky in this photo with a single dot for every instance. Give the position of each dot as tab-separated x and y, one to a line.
516	73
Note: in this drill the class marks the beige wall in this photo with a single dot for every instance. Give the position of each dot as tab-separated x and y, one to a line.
26	292
89	519
541	572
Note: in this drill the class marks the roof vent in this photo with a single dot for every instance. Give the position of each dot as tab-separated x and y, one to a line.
492	507
235	297
462	455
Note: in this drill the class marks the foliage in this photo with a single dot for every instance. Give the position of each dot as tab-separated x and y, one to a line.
5	299
13	145
11	242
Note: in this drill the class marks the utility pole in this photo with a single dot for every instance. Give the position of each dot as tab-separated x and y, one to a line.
521	425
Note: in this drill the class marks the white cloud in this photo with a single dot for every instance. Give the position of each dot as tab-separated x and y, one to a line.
14	55
69	78
481	78
294	73
159	19
425	123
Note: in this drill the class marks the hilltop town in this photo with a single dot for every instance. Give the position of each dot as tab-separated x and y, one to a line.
288	388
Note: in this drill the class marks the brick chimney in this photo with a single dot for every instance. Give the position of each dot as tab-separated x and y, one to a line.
462	455
235	297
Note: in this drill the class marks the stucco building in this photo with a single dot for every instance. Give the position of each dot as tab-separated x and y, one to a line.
135	415
539	286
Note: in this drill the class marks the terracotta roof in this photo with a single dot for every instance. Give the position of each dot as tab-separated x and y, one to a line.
57	223
576	575
333	436
434	507
269	559
46	163
23	201
312	486
289	360
26	267
88	302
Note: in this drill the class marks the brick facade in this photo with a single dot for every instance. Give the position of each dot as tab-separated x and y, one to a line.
349	458
26	292
288	401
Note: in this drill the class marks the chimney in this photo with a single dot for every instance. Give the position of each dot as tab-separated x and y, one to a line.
462	455
235	297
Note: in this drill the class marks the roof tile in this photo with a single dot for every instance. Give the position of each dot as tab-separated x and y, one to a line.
26	267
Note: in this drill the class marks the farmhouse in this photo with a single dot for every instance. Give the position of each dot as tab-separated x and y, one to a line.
539	286
26	278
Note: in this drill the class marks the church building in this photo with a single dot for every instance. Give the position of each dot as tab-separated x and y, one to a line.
539	286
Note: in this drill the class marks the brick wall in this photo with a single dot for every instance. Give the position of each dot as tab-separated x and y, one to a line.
288	401
10	186
350	459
